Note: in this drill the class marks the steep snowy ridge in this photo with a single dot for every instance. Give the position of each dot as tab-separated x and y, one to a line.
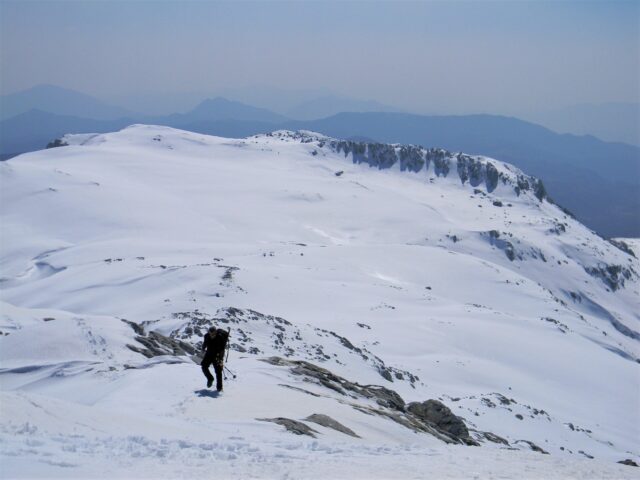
431	274
476	170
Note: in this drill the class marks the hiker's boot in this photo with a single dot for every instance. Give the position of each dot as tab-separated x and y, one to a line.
209	382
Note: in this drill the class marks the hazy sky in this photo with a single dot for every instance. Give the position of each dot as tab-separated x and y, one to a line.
502	57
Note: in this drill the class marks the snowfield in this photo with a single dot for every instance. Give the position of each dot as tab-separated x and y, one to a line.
435	275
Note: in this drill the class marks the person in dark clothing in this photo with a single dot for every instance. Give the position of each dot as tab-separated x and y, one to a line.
214	346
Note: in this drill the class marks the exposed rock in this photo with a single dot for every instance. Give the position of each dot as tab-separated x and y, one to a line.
629	462
407	420
136	326
613	276
582	452
622	246
561	326
533	446
436	413
156	344
385	397
449	429
298	389
58	142
327	421
505	245
292	426
492	437
474	170
381	395
251	330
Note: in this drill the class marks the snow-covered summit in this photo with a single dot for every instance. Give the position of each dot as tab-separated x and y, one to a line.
436	275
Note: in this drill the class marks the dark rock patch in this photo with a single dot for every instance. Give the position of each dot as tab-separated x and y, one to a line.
614	276
440	422
504	245
327	421
381	395
533	446
622	246
582	452
292	426
437	413
58	142
155	344
298	389
492	437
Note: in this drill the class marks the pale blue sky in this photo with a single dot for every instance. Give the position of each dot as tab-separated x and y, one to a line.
461	57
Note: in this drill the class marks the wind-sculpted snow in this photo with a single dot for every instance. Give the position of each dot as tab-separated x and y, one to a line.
380	276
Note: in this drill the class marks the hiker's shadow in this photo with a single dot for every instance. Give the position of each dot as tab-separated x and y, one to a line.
207	393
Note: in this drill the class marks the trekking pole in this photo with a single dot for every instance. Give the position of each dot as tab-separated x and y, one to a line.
230	372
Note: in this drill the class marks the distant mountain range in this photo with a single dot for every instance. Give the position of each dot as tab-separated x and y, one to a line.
598	181
61	101
615	122
329	105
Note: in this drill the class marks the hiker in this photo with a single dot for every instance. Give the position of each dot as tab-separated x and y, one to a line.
214	345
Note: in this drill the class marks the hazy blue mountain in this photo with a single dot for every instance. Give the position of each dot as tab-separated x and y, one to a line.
598	181
276	99
614	122
217	109
526	144
328	105
157	104
61	101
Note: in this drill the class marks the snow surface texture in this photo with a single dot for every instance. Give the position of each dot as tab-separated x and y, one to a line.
436	275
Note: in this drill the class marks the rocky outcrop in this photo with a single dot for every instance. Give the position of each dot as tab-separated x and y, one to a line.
254	332
614	276
533	446
58	142
292	426
621	245
327	421
438	414
491	437
154	344
472	169
505	245
381	395
432	418
477	172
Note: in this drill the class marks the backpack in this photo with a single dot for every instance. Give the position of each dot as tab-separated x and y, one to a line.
223	335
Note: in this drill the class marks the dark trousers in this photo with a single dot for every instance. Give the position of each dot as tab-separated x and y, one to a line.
217	367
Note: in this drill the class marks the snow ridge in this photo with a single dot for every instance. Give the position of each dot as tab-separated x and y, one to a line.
476	170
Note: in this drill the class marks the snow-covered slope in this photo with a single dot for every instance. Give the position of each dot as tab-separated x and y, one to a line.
435	275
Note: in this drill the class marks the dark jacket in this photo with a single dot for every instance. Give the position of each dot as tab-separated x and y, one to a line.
214	346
